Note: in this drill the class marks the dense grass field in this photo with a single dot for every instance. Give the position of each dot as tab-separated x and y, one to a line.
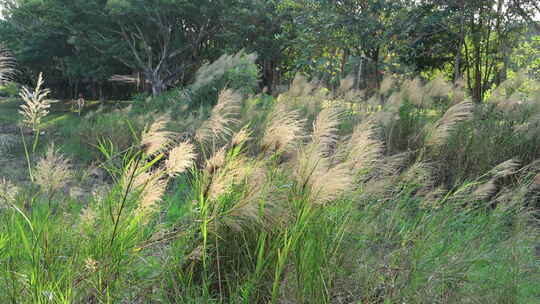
413	195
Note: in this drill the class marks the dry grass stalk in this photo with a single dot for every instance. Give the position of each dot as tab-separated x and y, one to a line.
36	104
485	190
442	129
325	129
331	184
233	172
53	171
284	130
240	137
180	159
506	168
213	71
151	187
394	164
420	174
223	118
216	162
156	138
364	150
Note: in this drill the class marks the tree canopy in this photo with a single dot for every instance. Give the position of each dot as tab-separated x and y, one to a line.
119	47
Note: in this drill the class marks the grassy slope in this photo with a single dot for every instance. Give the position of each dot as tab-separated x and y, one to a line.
391	236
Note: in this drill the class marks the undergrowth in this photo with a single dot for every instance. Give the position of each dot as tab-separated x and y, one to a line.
413	195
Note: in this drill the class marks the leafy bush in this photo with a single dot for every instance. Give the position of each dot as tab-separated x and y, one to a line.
10	89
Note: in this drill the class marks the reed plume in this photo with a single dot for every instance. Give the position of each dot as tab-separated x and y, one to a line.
223	118
485	190
284	129
490	188
413	90
505	169
87	220
156	138
180	159
363	149
151	186
208	73
325	129
36	104
53	171
217	161
345	85
443	128
331	183
240	137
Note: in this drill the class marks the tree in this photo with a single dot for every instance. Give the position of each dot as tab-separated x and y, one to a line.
159	38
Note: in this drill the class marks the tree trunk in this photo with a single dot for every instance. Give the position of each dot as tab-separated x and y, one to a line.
158	85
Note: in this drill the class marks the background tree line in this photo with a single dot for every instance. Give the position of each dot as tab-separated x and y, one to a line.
115	48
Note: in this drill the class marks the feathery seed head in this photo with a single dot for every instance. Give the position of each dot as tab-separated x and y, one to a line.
443	128
152	186
88	218
364	150
210	72
414	92
346	84
36	104
240	137
180	158
223	118
283	131
53	171
485	190
325	129
420	174
331	184
216	162
505	169
155	138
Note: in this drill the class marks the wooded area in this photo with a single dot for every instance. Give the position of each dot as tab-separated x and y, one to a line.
113	49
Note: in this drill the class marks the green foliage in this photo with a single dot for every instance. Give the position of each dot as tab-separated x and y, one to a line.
80	138
10	89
